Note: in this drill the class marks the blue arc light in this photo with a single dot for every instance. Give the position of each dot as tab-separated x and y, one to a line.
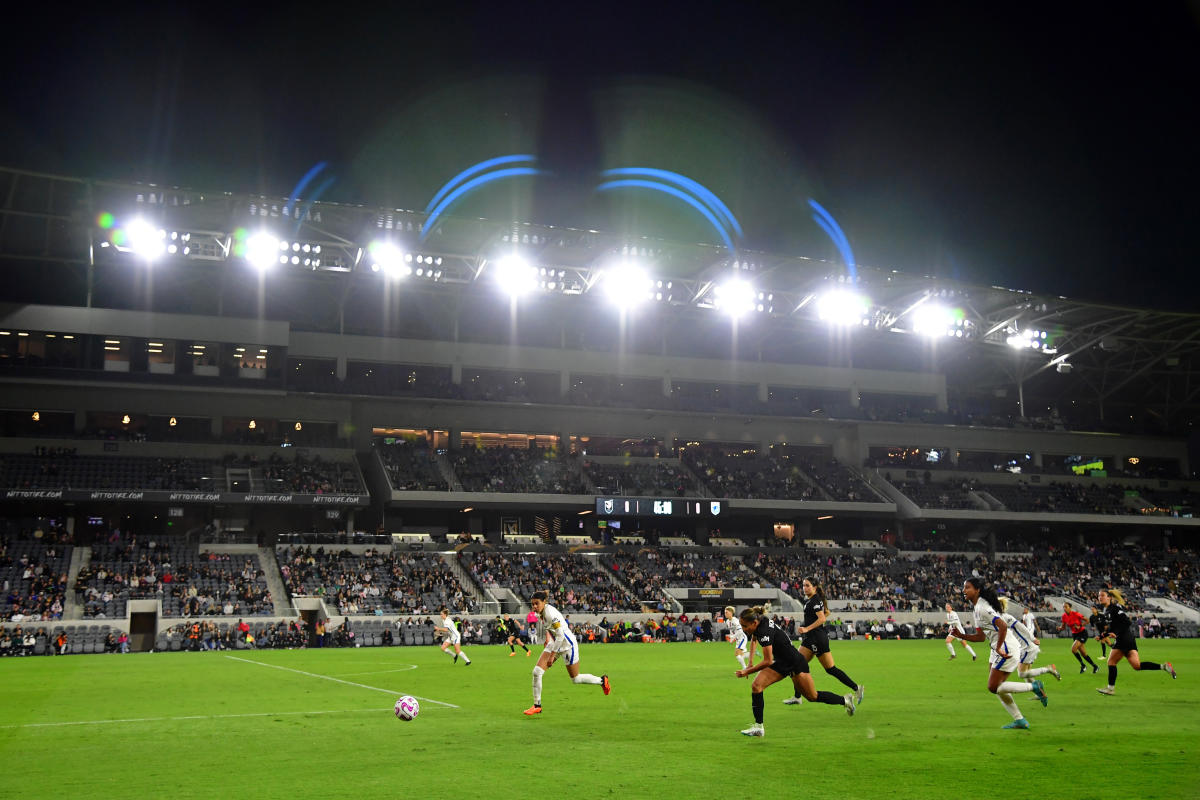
631	183
704	193
470	186
303	184
828	224
475	170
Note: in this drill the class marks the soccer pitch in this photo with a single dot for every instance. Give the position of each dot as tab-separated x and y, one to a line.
319	723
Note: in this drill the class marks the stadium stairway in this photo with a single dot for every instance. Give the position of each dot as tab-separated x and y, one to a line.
80	558
447	471
905	508
1174	608
279	595
465	580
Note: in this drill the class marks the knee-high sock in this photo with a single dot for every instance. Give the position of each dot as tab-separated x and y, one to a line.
829	698
1034	672
969	650
538	672
1079	658
1009	704
1150	665
756	705
585	677
742	660
1089	660
1112	675
1014	687
950	646
841	676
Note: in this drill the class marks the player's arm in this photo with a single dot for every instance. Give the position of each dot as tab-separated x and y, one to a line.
959	633
750	657
767	660
820	621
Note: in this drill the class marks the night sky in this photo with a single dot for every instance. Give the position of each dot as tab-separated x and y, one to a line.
1051	153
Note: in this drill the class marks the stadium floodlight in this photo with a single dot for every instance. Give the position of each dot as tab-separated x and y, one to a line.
935	320
626	285
1031	340
843	308
391	259
735	297
144	239
262	251
515	275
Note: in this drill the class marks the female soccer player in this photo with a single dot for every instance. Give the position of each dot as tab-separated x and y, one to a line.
1097	621
779	660
955	624
1121	640
1030	645
451	636
815	640
1073	621
991	627
515	636
559	642
737	636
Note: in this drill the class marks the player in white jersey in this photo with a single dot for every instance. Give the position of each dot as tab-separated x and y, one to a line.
560	643
991	627
1030	645
451	637
737	636
955	624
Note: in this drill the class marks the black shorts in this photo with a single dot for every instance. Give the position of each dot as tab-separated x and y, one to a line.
790	666
1080	637
816	640
1126	644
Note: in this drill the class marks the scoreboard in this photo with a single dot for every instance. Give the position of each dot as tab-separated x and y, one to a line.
660	507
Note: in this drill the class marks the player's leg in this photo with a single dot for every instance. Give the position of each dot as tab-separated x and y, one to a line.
458	651
582	677
802	683
762	679
826	661
544	662
1000	685
799	696
950	646
1114	658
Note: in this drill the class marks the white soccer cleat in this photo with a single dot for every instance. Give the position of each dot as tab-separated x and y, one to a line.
1108	690
849	702
793	701
858	694
753	730
1054	671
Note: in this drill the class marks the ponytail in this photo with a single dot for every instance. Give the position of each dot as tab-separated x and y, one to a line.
1117	597
986	592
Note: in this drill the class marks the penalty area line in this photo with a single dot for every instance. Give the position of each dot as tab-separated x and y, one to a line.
392	692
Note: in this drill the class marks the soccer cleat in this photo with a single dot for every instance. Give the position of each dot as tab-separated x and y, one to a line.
849	701
532	710
793	701
753	730
510	655
1108	690
455	661
974	658
605	685
1095	669
1021	724
1082	669
1040	692
1054	671
858	694
952	656
1170	669
468	663
528	653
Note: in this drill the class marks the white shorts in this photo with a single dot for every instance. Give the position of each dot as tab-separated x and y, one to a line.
739	642
566	648
451	638
1030	655
1003	663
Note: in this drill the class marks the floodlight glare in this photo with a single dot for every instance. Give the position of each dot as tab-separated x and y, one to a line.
933	320
735	297
626	285
144	239
389	258
843	308
262	250
515	275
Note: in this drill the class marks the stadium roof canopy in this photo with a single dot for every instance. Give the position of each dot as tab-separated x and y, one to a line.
62	238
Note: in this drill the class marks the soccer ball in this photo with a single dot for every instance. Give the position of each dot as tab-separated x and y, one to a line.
407	708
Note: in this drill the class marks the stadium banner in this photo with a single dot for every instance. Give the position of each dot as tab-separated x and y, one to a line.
710	594
234	498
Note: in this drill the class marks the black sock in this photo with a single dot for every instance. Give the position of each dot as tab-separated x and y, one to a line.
841	676
1079	658
830	698
512	649
526	648
1103	649
1150	665
1112	675
1089	660
756	704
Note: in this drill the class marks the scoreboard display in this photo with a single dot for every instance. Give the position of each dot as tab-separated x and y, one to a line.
660	507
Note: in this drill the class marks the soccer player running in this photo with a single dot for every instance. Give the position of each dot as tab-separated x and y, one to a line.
513	629
1097	621
991	627
451	636
953	623
560	643
1073	621
737	636
1119	632
1031	646
814	640
779	660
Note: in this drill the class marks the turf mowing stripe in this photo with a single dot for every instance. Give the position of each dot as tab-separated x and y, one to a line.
338	680
191	716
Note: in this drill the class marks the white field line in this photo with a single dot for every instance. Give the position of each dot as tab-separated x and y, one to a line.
405	668
192	716
392	692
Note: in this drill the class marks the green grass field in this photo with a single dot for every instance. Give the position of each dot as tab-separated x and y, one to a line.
319	723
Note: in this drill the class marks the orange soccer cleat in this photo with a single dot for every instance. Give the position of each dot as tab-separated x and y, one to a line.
532	710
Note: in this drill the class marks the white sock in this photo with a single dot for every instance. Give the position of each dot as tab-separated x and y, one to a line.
1014	687
969	650
1033	673
950	646
585	677
464	656
742	660
1009	704
537	685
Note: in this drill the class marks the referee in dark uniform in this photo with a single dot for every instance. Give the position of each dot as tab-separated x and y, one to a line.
1119	632
779	660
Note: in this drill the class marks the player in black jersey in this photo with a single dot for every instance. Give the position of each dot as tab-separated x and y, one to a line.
1097	621
512	629
815	639
779	660
1119	632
